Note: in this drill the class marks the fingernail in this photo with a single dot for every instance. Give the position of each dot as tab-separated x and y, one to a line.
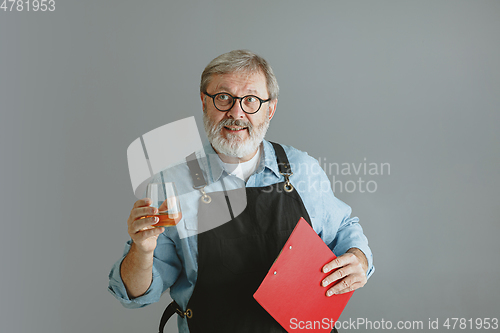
325	270
330	293
156	219
325	283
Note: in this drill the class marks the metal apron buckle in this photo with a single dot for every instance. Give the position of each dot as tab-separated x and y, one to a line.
287	186
204	196
188	313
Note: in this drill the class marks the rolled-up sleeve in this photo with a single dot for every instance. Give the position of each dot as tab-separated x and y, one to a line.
349	234
166	269
338	229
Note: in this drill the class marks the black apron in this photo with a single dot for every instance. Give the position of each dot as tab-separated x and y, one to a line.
235	257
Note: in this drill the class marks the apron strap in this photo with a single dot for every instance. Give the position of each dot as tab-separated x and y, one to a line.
169	311
282	160
284	166
199	181
196	173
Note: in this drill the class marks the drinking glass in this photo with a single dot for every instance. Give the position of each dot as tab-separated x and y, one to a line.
164	197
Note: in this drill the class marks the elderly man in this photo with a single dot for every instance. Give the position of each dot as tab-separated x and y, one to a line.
213	273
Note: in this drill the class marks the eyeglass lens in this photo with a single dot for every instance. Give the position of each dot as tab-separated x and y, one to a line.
225	102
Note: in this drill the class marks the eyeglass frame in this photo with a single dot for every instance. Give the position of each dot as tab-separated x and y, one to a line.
262	101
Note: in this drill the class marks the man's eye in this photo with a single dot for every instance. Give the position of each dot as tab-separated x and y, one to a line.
251	99
224	97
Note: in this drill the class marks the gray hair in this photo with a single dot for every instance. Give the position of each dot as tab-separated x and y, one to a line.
240	61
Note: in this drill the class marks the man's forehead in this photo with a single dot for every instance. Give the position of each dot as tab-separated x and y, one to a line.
253	82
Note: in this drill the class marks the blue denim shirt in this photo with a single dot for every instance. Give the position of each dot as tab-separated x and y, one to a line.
175	259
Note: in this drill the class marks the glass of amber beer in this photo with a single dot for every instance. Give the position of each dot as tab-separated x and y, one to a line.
164	197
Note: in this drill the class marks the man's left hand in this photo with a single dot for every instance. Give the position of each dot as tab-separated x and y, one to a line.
349	272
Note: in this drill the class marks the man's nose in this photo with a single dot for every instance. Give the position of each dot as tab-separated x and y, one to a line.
236	112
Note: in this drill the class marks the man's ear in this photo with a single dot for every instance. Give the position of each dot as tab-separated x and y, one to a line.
202	96
272	108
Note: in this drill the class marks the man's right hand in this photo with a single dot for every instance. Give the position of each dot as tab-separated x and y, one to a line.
141	229
136	268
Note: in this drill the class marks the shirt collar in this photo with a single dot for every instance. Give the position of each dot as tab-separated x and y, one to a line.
215	170
210	163
269	160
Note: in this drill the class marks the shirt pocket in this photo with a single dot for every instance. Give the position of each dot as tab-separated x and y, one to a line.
190	223
187	227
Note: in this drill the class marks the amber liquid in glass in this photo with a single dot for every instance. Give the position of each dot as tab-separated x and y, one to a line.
166	219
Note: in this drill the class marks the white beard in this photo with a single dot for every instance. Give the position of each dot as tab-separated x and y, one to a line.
233	145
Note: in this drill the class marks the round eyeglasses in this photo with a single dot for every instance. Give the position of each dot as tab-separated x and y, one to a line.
249	104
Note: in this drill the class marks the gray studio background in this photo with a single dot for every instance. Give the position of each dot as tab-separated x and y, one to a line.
415	84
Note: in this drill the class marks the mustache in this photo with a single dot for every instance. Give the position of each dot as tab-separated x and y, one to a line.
234	122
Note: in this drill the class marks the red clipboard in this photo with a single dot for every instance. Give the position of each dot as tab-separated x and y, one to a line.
292	292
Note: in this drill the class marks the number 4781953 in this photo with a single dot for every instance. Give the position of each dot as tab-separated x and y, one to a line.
28	5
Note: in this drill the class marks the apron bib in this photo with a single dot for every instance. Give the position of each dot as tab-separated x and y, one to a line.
234	258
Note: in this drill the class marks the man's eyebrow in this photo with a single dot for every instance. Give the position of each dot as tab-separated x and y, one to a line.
224	88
